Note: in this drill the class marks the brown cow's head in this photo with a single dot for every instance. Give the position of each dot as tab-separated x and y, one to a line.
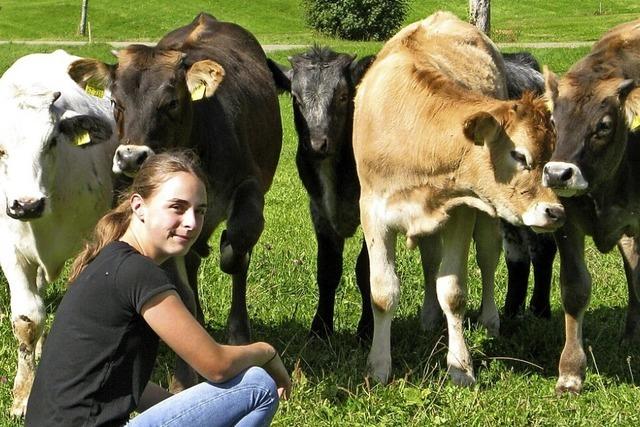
520	140
592	116
152	93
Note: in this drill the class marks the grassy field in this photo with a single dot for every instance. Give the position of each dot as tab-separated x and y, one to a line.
516	372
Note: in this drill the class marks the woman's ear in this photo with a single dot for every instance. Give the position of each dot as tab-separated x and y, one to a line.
138	206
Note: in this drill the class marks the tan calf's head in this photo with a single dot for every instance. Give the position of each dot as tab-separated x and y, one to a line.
519	139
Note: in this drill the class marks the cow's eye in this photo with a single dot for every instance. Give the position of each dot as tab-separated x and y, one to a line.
3	153
343	98
520	158
172	105
604	127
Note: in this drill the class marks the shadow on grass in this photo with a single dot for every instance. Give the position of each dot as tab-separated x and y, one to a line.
528	346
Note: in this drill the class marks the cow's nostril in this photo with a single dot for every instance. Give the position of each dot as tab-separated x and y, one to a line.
141	158
555	213
566	174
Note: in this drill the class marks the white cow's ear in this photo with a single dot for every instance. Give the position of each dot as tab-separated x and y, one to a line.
551	87
203	78
92	74
481	128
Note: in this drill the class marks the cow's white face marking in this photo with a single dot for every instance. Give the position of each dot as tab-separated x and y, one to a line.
28	140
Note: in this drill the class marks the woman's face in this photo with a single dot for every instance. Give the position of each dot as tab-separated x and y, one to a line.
172	217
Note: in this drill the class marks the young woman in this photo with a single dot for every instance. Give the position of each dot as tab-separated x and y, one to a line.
98	357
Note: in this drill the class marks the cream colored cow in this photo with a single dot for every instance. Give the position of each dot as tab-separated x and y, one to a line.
433	145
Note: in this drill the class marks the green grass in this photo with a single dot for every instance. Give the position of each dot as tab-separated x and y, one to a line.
282	21
516	372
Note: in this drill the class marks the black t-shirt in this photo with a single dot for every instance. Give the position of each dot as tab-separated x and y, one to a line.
100	352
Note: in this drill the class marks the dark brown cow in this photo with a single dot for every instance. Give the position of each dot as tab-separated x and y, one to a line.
595	169
206	86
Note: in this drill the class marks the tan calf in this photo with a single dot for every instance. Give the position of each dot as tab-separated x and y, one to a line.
429	146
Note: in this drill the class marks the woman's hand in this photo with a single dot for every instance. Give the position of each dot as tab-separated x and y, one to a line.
278	372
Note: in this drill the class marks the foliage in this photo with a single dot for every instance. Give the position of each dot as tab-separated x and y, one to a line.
355	19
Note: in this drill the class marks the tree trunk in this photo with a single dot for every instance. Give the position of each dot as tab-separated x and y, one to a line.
480	14
82	28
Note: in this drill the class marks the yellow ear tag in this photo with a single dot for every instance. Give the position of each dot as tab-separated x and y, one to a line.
635	124
198	92
82	139
94	91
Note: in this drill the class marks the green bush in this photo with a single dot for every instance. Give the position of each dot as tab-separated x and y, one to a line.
355	19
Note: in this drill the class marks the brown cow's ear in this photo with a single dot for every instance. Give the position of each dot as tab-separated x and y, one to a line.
480	128
551	87
203	78
92	74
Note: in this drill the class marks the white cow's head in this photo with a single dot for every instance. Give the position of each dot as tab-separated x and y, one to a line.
35	128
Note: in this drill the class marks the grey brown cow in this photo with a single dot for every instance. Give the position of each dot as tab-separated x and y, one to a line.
206	86
594	168
430	150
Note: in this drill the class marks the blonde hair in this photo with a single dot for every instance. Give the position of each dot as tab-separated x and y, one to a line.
157	169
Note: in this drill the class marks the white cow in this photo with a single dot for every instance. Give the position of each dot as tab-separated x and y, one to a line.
56	182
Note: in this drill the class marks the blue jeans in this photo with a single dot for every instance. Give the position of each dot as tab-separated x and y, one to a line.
249	399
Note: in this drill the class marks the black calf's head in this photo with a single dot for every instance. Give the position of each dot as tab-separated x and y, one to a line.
322	84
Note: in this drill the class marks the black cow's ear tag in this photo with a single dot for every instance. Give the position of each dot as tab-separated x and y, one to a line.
198	92
82	138
98	92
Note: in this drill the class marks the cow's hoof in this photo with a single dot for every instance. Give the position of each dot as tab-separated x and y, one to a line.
364	333
461	377
19	406
319	329
569	384
431	320
491	323
541	312
380	370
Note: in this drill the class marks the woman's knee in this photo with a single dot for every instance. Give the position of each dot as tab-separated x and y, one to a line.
259	377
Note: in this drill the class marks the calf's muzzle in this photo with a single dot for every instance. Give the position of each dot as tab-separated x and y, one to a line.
26	209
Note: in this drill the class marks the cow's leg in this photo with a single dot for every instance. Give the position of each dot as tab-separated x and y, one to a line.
27	321
430	257
385	290
184	376
238	320
543	251
451	287
575	289
516	254
630	249
244	226
488	248
328	273
365	325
